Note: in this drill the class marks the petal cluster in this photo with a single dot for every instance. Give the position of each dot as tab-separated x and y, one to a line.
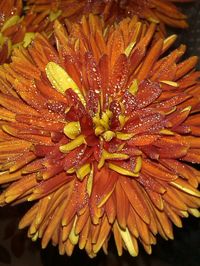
100	132
19	23
158	11
10	12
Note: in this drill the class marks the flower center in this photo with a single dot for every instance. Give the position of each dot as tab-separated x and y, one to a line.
102	125
80	135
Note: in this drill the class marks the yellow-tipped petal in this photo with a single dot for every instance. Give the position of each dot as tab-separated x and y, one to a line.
73	144
153	20
35	237
186	109
105	118
105	198
184	186
1	39
71	171
72	236
61	81
111	156
170	83
121	170
124	136
109	113
167	132
138	165
122	120
129	48
134	87
10	22
54	15
194	212
90	181
28	38
125	234
83	171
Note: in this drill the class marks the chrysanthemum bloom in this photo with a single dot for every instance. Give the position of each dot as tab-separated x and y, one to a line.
39	16
99	132
159	11
10	12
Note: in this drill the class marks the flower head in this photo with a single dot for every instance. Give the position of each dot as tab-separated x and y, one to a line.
39	16
10	12
158	11
98	132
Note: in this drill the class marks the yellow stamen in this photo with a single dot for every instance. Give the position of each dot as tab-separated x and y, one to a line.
73	144
61	81
108	135
104	123
105	118
121	170
96	119
109	113
99	130
72	130
83	171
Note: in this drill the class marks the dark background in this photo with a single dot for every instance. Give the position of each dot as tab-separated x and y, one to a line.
17	250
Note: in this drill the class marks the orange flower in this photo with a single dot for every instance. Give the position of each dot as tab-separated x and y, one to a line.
10	12
163	11
99	132
40	16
